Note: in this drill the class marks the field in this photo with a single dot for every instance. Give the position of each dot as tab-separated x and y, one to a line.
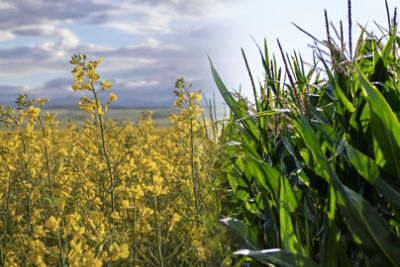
304	174
122	115
118	115
105	192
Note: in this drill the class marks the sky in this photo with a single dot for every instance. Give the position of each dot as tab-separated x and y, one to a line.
145	45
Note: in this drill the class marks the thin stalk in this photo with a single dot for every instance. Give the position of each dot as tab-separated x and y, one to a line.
158	231
251	79
193	167
61	249
205	125
328	36
394	32
103	143
46	154
350	30
290	79
213	121
388	16
341	39
134	233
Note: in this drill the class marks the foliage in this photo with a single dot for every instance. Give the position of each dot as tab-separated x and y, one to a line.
313	163
107	194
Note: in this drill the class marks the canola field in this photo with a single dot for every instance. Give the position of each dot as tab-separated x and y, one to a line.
104	194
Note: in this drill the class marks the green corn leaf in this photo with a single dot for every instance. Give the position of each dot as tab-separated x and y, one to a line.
238	108
264	114
367	168
277	256
288	236
329	238
339	94
388	48
385	126
269	226
248	233
363	220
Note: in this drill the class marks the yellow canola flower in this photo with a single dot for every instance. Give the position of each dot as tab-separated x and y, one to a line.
100	110
79	77
35	195
125	204
61	202
22	115
119	252
37	250
76	87
49	118
86	86
33	112
97	62
52	224
175	218
115	216
123	251
41	101
76	70
39	232
93	76
111	98
75	253
195	96
105	85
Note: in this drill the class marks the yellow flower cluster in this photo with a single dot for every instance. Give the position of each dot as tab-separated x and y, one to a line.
102	194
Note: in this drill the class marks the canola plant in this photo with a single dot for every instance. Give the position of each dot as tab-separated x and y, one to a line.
106	194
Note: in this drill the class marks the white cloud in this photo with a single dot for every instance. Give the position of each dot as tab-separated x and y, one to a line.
149	66
142	83
68	39
5	5
6	36
36	30
138	28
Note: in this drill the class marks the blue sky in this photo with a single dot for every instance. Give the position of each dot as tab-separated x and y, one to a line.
146	44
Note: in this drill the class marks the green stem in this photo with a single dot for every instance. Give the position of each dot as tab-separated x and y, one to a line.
193	167
61	248
103	143
134	233
159	237
46	154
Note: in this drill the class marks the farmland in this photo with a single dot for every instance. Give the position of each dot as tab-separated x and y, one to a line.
305	173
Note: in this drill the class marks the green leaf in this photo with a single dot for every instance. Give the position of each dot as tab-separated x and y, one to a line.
388	48
248	233
277	256
288	236
363	220
368	169
239	109
264	114
328	243
385	126
339	94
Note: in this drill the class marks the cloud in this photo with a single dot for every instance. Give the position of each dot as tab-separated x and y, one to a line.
168	40
6	36
192	7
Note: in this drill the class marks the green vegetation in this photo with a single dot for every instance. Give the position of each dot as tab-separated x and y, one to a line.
313	163
305	174
160	115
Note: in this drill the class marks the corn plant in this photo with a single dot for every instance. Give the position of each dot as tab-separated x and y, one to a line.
313	163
